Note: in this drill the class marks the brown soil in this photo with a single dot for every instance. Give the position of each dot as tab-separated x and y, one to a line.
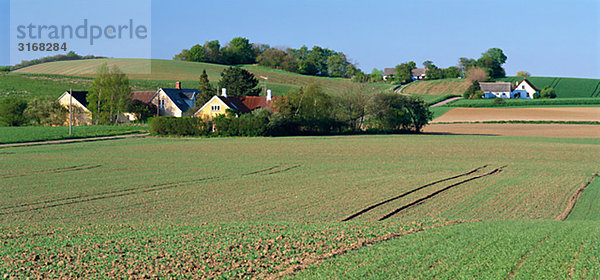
517	129
520	114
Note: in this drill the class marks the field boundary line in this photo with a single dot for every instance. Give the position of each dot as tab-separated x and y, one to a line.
74	140
574	199
304	263
365	210
420	200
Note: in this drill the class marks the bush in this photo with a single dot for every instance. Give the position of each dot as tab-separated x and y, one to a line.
548	92
245	125
185	126
4	68
12	111
498	101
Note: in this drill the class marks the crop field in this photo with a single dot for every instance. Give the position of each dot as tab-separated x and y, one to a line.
562	130
264	207
565	87
44	133
437	87
581	114
171	70
484	250
523	103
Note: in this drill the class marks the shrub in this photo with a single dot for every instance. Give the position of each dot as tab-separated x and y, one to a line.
498	101
12	111
185	126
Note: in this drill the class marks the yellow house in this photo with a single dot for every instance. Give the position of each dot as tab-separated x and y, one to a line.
174	101
81	114
218	105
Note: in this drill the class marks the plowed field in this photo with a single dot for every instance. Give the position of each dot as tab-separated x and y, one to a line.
588	114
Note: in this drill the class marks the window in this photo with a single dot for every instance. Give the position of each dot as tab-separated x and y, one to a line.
215	108
161	103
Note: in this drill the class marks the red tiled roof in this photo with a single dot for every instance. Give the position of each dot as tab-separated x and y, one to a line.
245	104
144	96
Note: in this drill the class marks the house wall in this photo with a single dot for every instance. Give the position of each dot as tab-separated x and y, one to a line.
81	114
208	114
502	94
523	86
170	108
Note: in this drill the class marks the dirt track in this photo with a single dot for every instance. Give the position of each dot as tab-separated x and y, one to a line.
520	114
517	129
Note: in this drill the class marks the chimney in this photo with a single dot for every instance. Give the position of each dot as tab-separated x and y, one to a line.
269	95
178	85
224	92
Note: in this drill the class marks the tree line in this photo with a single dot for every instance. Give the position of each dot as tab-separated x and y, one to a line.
316	61
59	57
311	111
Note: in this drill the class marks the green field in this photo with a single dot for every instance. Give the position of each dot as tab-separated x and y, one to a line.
44	133
189	72
565	87
558	102
254	207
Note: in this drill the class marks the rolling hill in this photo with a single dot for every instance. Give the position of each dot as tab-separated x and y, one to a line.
188	72
565	87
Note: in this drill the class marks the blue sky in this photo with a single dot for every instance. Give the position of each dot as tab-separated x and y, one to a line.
544	37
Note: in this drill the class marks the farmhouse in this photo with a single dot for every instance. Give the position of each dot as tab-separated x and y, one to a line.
81	114
522	90
525	90
416	74
174	101
218	105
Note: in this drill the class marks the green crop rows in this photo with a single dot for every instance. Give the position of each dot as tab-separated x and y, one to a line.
44	133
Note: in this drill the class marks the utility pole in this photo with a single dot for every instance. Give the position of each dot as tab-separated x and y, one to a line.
70	111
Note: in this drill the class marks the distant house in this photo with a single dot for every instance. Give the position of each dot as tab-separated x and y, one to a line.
416	74
81	114
218	105
496	90
174	101
525	90
419	74
388	72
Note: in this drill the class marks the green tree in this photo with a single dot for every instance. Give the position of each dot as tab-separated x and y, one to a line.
465	63
278	59
184	55
207	91
473	91
452	72
11	111
404	72
109	94
548	92
239	82
212	52
196	53
392	111
46	111
239	51
432	72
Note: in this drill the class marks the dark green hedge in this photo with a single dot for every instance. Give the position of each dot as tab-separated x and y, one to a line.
185	126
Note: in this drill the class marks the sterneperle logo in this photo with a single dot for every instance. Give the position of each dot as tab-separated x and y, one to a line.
90	32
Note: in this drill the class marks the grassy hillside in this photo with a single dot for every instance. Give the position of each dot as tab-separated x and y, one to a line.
565	87
188	72
437	87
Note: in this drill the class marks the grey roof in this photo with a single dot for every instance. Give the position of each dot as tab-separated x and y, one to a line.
389	71
183	98
236	103
418	72
495	87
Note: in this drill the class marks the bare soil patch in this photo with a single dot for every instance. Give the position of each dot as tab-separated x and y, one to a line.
517	129
520	114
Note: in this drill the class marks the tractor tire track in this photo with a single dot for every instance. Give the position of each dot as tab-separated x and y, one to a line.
282	170
421	200
53	171
410	192
112	194
121	193
260	171
574	199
